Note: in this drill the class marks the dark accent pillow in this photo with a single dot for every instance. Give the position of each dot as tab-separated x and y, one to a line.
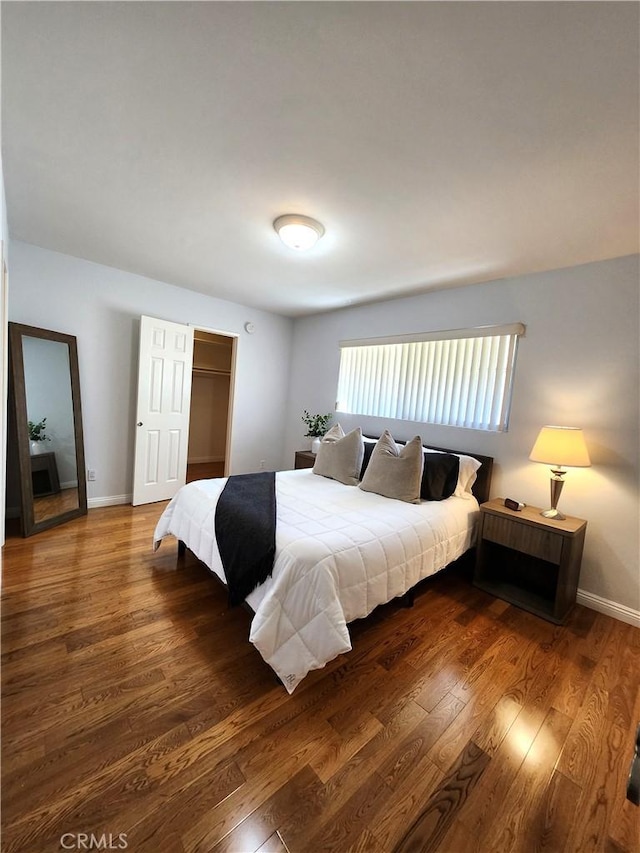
439	476
368	450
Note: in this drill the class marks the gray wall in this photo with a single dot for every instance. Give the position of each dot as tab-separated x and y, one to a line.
101	306
578	365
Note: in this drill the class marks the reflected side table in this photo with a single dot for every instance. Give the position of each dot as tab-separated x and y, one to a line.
44	475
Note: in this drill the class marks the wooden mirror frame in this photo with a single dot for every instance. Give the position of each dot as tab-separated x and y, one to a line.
18	400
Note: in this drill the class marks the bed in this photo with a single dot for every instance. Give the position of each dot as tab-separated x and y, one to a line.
340	552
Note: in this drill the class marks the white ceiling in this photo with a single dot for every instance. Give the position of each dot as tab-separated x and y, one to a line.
440	144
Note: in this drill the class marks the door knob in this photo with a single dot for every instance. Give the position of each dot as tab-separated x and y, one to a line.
139	423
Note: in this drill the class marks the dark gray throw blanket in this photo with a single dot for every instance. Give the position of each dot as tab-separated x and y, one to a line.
245	525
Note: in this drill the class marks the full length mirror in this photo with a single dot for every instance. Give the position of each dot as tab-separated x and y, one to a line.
47	427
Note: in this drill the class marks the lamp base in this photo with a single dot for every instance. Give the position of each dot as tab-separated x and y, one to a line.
556	488
553	513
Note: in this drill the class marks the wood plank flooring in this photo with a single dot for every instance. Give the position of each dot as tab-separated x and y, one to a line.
134	704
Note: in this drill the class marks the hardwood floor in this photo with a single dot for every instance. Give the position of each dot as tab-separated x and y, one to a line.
133	703
50	505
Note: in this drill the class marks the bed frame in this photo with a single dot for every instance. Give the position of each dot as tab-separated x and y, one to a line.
480	490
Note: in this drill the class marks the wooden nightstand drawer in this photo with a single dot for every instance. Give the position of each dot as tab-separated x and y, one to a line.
544	544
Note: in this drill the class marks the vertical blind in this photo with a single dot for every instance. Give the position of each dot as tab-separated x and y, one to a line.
460	377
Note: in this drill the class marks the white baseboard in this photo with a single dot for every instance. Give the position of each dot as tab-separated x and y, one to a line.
609	608
112	500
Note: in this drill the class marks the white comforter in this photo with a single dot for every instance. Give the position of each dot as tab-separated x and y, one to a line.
340	552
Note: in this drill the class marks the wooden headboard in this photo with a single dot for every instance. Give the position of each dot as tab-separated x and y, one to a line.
482	486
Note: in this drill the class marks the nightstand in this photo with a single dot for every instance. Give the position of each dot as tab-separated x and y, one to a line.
304	459
528	560
44	475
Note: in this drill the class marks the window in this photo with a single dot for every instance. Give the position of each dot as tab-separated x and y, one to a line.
460	377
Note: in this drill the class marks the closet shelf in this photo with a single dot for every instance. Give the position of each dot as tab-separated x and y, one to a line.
211	371
209	341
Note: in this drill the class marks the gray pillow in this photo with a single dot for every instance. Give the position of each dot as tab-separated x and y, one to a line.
340	456
395	472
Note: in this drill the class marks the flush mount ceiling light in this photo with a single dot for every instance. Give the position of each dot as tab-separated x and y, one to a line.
298	232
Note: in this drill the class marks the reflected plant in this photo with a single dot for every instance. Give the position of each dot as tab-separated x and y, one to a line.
37	430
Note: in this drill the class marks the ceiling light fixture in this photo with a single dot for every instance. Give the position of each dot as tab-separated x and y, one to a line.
298	232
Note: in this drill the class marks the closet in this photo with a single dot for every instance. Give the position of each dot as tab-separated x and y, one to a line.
210	405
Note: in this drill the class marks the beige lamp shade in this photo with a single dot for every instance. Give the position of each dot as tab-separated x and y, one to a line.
563	447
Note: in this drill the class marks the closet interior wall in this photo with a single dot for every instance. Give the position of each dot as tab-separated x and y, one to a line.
210	390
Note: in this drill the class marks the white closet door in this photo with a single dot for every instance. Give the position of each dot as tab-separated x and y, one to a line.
162	419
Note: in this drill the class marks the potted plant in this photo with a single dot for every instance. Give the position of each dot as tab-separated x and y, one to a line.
37	436
317	426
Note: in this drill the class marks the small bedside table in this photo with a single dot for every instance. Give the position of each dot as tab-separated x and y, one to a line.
528	560
44	475
304	459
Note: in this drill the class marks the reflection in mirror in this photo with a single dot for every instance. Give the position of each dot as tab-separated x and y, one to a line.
47	426
47	383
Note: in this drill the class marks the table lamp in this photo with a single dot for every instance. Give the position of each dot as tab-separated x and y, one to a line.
559	447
